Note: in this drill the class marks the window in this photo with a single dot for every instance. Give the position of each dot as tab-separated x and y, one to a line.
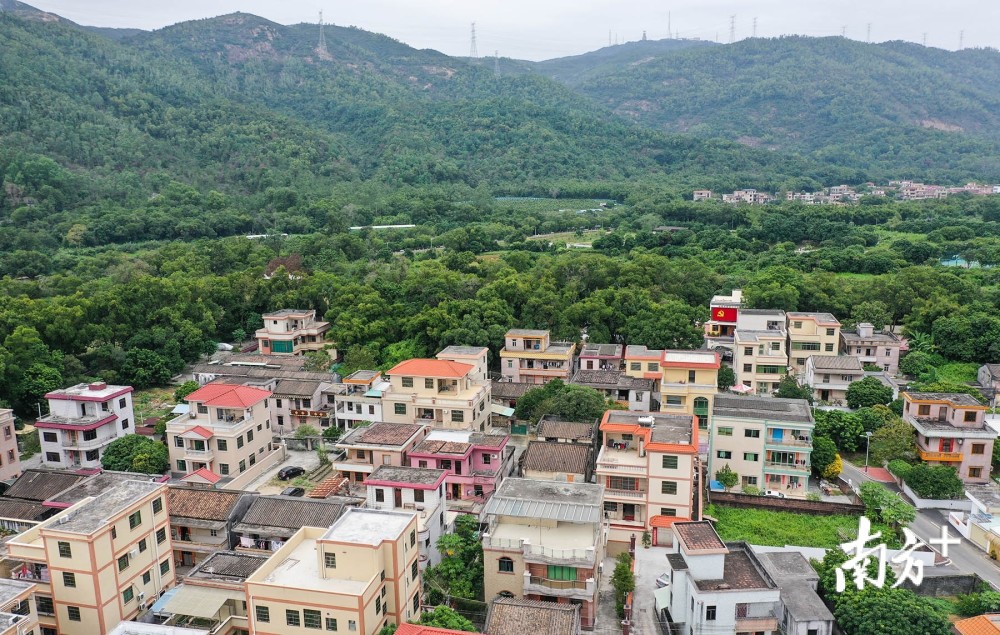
52	457
73	612
724	454
124	424
312	618
674	400
975	472
157	505
292	618
134	520
243	466
750	456
263	613
239	441
770	370
797	324
65	551
43	605
249	436
50	437
418	496
669	462
428	382
413	570
142	545
653	367
178	442
556	572
127	595
610	507
751	434
668	487
924	410
161	535
281	420
371	411
69	579
635	366
457	416
202	409
805	346
413	538
331	623
114	533
830	332
416	602
487	459
165	566
505	565
710	613
224	469
970	415
123	562
146	577
253	459
626	483
828	348
725	431
329	560
748	351
747	368
399	408
800	361
380	495
668	511
378	605
407	382
978	448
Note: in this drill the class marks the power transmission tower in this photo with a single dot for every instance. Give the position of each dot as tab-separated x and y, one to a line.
473	53
609	37
644	35
843	31
925	39
869	38
732	29
961	40
496	64
669	31
321	47
755	27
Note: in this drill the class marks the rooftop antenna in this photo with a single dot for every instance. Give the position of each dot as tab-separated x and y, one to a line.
473	53
732	29
843	31
609	37
925	39
496	64
670	33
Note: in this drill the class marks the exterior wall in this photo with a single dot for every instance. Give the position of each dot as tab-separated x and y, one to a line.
288	412
301	331
749	357
351	408
565	477
68	448
967	445
234	447
10	460
680	395
829	385
462	405
769	455
808	337
431	522
656	499
533	360
876	352
480	371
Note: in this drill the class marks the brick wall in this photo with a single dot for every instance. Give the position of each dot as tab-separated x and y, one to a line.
819	508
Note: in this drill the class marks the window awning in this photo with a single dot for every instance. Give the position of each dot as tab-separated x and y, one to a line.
497	409
199	601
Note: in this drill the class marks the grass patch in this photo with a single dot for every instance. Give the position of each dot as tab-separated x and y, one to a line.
153	402
958	372
301	481
777	529
945	607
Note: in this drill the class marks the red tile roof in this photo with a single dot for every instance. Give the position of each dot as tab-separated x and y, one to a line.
979	625
228	395
431	368
420	629
201	431
204	473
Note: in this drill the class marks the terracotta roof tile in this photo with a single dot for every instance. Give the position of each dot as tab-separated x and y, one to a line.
979	625
566	458
431	368
514	616
699	535
555	429
419	629
437	446
228	395
201	431
382	433
196	502
204	473
40	485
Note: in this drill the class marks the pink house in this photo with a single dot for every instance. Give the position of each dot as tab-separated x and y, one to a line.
475	462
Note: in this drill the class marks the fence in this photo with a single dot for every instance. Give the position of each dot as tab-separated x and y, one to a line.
958	504
819	508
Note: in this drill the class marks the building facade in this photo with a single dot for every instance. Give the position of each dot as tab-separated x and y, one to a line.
475	356
720	328
690	383
10	458
760	355
951	430
830	377
600	357
811	335
544	541
529	356
82	421
299	402
767	441
474	463
632	392
877	348
418	490
357	400
647	467
291	332
227	431
381	443
441	393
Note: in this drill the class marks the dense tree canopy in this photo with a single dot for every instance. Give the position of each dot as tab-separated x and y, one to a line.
136	453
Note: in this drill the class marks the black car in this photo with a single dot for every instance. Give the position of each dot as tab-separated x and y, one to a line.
293	491
290	472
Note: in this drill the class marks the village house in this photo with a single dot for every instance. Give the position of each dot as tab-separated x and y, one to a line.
760	354
544	541
437	392
988	377
517	616
600	357
631	392
475	356
551	461
475	464
381	443
800	609
555	429
418	490
82	421
811	335
690	383
871	347
17	607
830	377
201	522
10	458
529	356
357	399
951	430
299	402
271	521
723	311
291	332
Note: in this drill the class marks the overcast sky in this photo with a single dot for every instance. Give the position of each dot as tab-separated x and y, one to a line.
542	29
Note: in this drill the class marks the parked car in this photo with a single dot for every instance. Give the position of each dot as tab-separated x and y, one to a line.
663	580
290	472
293	491
774	493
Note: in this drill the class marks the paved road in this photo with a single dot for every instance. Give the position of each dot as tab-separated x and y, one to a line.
966	557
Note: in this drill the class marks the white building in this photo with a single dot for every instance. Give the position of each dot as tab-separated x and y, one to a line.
357	400
415	489
82	421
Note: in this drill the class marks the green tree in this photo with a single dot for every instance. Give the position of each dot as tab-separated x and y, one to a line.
186	389
868	392
916	363
888	612
306	431
144	368
823	455
358	357
843	428
881	504
873	312
136	453
460	571
874	417
623	581
332	434
937	482
239	335
727	378
444	617
727	477
788	388
894	440
575	403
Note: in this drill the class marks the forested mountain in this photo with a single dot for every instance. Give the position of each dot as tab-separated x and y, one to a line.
893	109
575	69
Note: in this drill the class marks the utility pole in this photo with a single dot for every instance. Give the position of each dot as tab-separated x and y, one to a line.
473	53
496	64
755	27
732	29
669	30
609	37
644	35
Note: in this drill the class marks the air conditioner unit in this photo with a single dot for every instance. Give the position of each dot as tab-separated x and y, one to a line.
494	456
142	606
64	519
193	414
133	553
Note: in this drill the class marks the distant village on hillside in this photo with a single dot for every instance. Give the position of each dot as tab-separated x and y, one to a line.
843	194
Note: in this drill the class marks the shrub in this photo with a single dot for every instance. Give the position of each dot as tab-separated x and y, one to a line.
751	490
938	482
833	470
900	468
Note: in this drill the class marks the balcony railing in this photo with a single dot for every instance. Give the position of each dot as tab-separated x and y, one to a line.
199	454
621	467
939	456
539	553
625	493
798	467
558	584
788	441
81	443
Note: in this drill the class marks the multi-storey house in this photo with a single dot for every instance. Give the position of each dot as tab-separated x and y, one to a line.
82	421
201	522
690	382
647	467
291	332
760	356
811	335
951	430
10	458
441	393
475	356
419	490
720	329
830	377
299	402
357	400
475	463
767	441
381	443
529	356
874	348
545	541
600	356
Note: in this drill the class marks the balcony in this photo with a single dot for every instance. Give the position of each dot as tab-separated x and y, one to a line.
85	444
199	455
630	494
31	571
787	442
940	456
801	467
620	460
756	617
581	589
582	556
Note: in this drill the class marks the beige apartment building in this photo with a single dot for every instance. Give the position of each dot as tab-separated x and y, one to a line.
291	332
647	468
10	458
227	432
951	430
17	610
529	356
356	576
475	356
437	392
545	541
381	443
690	382
760	352
811	335
99	562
